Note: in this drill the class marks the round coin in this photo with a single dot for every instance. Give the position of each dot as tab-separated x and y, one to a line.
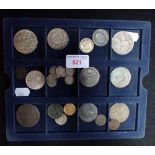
100	37
25	41
51	80
122	42
52	70
20	72
86	45
69	80
70	71
55	111
89	77
100	120
35	80
120	77
69	109
119	112
88	112
27	115
60	71
114	125
57	39
61	120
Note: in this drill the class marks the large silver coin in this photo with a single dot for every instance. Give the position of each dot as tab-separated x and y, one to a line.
57	39
119	112
89	77
122	42
100	37
100	120
25	41
61	120
88	112
35	80
27	115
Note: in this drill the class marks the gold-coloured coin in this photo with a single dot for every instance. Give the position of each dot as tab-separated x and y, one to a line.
69	80
69	109
114	124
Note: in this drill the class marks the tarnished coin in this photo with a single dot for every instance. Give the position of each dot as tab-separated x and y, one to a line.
27	115
70	71
119	112
20	72
69	109
25	41
61	120
55	111
51	80
86	45
120	77
69	80
35	80
100	120
57	39
114	124
100	37
60	71
122	42
89	77
88	112
52	70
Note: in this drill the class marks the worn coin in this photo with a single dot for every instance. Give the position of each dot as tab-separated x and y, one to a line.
119	112
35	80
100	120
55	111
52	70
69	109
51	80
20	72
60	71
100	37
89	77
61	120
70	71
122	42
86	45
88	112
69	80
114	124
25	41
57	39
120	77
27	115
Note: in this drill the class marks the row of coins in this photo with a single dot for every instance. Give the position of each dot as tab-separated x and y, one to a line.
25	41
28	115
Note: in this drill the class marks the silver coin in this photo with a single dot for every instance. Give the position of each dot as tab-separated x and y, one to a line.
89	77
35	80
60	71
88	112
114	124
52	70
100	120
122	42
70	71
100	37
51	80
61	120
58	39
25	41
119	112
120	77
86	45
69	80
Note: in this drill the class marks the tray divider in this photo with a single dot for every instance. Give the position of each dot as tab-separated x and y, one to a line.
110	44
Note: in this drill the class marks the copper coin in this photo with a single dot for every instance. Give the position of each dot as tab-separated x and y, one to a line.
69	109
114	124
70	71
20	72
69	80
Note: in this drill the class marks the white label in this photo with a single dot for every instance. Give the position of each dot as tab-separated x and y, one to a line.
22	91
134	35
77	61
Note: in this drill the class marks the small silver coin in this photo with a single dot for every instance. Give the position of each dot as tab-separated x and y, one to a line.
35	80
89	77
100	37
70	71
88	112
122	43
57	39
69	80
120	77
114	124
60	71
52	70
51	80
25	41
61	120
86	45
100	120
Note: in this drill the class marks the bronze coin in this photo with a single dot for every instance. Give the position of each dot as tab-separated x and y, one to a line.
114	124
20	72
69	109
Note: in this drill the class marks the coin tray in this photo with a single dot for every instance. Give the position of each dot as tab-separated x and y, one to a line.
103	95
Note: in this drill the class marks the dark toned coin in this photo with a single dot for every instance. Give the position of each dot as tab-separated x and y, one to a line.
114	124
21	72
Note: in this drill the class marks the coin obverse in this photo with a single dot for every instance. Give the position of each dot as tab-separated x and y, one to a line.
20	72
25	41
119	112
70	71
61	120
100	120
69	109
89	77
86	45
114	125
69	80
122	43
35	80
100	37
57	39
27	115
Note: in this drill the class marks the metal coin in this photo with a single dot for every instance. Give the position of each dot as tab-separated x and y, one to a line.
55	111
35	80
114	125
20	72
100	120
122	42
61	120
25	41
89	77
27	115
52	70
70	71
119	112
69	80
88	112
100	37
60	71
120	77
57	39
86	45
69	109
51	80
